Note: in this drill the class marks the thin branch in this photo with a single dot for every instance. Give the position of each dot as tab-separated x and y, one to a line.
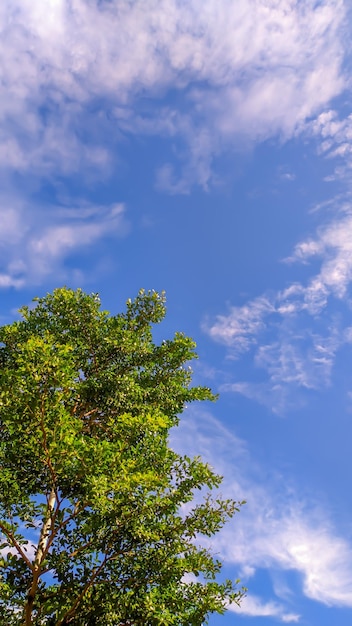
16	545
61	525
87	586
86	414
84	547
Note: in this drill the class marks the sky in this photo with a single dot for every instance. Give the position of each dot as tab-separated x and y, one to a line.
204	148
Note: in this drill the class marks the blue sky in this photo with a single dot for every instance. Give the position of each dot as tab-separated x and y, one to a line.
204	148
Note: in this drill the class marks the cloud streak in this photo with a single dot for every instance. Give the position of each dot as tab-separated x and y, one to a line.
36	244
276	530
254	607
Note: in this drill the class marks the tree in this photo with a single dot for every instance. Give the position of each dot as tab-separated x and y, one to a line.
96	515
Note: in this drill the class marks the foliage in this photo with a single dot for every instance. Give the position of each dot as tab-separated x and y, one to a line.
96	515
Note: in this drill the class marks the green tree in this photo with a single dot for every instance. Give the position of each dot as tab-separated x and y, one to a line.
96	515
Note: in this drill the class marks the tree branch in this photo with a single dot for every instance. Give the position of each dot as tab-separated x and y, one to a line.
87	586
45	532
16	545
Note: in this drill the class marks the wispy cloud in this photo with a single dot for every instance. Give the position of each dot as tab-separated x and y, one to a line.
254	607
333	133
74	87
333	244
277	530
298	539
293	356
294	334
36	244
241	327
251	70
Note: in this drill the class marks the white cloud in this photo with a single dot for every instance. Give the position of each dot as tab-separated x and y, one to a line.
74	85
334	135
240	328
276	530
36	244
333	244
304	359
292	356
294	334
254	607
253	70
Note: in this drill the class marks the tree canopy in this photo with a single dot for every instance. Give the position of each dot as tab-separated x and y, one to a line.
98	517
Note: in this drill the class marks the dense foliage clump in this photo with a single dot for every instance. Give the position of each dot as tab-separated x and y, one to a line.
94	531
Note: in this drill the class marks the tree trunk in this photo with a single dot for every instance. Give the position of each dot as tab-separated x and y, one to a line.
40	555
